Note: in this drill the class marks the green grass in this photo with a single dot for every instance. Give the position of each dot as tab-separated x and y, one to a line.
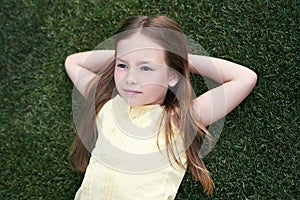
257	156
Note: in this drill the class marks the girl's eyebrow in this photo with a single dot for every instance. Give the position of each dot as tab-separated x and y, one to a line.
119	59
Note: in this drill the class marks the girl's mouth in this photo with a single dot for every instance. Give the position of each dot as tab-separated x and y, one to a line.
132	92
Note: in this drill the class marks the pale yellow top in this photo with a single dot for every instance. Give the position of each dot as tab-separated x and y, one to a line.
126	163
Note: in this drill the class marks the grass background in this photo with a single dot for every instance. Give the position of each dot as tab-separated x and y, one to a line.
257	156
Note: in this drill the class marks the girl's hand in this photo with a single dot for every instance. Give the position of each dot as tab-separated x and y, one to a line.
236	83
83	67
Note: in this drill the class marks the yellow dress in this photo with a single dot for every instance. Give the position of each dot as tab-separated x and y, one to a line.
127	163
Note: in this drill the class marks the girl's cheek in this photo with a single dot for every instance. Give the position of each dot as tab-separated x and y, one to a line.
156	78
118	75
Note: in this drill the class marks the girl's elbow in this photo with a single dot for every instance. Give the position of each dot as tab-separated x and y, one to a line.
68	61
250	79
253	77
69	66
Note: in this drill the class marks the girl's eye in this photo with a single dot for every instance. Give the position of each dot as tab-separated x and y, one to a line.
123	66
145	68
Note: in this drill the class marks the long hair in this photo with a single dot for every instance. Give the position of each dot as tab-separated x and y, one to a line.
178	104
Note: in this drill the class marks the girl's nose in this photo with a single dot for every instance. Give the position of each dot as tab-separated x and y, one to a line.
132	77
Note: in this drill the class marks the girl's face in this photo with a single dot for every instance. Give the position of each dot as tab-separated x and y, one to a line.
141	73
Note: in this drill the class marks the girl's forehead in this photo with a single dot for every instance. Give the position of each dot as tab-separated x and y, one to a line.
137	43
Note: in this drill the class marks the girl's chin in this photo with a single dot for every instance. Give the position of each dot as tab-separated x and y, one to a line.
132	102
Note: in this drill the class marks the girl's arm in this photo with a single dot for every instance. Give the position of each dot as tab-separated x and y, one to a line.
236	83
82	67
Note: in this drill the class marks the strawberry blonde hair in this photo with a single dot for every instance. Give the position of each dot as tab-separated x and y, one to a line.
178	103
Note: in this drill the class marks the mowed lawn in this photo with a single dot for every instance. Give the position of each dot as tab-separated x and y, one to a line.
257	155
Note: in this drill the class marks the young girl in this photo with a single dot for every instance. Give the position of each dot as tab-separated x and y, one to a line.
149	126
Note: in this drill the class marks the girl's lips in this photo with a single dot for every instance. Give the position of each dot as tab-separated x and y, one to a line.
132	91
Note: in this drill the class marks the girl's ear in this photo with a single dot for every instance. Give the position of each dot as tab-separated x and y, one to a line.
173	79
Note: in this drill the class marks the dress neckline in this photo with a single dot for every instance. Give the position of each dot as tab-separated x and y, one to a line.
135	111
